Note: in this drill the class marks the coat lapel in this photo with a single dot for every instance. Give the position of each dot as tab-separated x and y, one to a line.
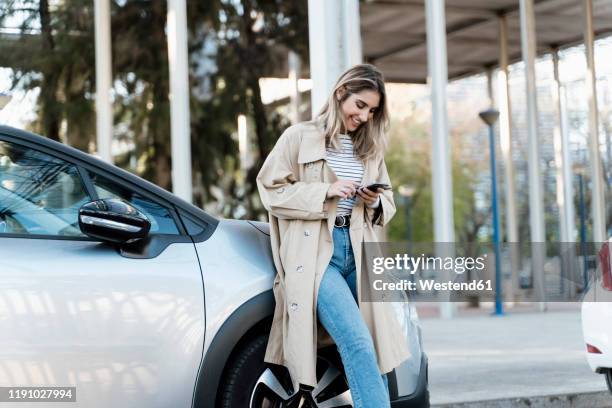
312	145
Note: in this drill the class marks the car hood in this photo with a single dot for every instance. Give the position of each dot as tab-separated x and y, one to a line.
261	226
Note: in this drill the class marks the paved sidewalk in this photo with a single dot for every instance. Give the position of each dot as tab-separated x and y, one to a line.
601	399
522	354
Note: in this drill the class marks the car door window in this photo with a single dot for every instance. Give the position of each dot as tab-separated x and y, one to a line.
39	194
161	219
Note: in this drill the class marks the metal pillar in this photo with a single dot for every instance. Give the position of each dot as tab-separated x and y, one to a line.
335	44
490	116
597	200
564	181
607	137
499	305
536	199
489	74
505	133
294	93
441	169
351	33
104	112
565	196
583	233
179	99
568	174
325	41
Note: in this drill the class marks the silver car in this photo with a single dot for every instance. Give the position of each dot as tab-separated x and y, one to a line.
135	298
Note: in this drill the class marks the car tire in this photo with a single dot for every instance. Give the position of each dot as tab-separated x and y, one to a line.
425	402
240	374
249	382
608	375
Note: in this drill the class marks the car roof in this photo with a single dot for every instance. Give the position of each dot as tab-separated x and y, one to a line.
108	168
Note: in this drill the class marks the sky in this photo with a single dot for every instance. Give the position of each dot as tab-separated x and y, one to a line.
21	108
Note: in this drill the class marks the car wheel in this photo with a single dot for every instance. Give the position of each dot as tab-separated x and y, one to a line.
250	382
608	375
425	402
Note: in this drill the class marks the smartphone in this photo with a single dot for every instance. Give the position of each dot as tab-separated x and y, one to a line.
374	186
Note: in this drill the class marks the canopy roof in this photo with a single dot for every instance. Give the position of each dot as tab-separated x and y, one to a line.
394	33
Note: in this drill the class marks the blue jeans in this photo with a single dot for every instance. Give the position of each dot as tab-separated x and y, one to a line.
338	312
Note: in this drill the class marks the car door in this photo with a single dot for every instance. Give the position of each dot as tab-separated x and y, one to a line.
125	329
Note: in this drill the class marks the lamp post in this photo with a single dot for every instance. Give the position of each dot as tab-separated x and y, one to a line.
490	116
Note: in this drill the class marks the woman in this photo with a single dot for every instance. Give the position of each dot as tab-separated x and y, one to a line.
313	186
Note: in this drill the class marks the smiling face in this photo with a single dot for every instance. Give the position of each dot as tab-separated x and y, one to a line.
358	108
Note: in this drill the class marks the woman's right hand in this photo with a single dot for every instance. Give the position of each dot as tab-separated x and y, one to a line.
343	189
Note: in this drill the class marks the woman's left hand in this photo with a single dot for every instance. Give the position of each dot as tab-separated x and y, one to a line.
369	197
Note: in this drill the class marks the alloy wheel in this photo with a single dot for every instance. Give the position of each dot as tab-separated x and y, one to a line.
272	389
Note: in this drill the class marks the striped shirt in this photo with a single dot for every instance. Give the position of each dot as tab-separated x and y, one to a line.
347	166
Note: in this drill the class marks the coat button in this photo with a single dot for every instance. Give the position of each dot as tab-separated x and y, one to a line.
307	233
294	306
300	268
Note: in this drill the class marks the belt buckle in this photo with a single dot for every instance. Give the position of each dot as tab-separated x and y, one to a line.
336	221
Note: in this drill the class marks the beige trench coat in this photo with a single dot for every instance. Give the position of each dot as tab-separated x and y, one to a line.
293	184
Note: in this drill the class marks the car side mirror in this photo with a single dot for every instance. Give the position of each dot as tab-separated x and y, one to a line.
113	220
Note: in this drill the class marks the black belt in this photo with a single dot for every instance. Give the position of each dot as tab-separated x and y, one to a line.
342	220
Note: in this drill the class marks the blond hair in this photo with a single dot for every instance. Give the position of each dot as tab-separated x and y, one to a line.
369	139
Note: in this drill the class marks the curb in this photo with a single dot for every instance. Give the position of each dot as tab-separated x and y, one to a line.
601	399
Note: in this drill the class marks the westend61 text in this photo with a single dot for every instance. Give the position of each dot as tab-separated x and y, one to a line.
430	284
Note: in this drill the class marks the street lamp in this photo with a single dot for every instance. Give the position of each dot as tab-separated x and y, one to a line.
4	100
490	116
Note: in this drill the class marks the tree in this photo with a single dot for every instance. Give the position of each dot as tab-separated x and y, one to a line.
50	54
249	35
409	162
232	44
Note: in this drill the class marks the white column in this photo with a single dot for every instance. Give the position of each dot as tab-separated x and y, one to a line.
335	44
565	195
505	130
179	99
441	161
294	93
104	111
597	199
489	73
563	166
567	170
351	33
536	199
